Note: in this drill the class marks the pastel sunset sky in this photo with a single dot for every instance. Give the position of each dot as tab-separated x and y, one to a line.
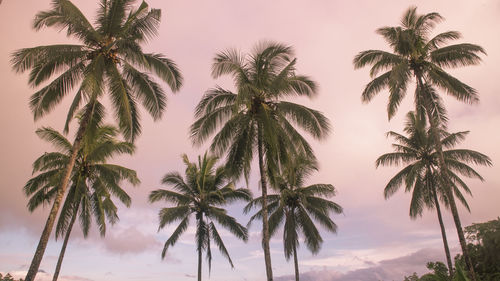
376	238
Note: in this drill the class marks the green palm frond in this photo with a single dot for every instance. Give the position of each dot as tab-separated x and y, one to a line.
172	214
220	244
175	235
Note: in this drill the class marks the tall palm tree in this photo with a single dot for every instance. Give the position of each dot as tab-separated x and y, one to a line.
297	205
417	151
202	193
417	55
256	118
94	182
109	60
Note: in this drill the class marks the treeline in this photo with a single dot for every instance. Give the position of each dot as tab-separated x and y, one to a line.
484	248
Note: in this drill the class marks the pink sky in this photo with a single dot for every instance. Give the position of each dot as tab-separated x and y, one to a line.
373	233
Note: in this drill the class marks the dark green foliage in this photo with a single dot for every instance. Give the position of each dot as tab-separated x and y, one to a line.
263	79
484	246
8	277
420	175
202	194
109	59
94	182
296	206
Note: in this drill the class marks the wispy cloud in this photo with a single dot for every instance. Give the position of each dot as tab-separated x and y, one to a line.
388	269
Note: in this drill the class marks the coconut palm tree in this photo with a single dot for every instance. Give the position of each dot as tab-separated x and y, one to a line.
417	151
418	55
297	206
202	193
94	182
109	59
256	118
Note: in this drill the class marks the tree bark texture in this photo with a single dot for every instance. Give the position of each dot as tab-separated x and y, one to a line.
265	222
44	238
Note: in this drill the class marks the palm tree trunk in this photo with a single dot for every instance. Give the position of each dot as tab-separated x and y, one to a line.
296	262
443	233
446	180
265	222
65	243
199	264
44	238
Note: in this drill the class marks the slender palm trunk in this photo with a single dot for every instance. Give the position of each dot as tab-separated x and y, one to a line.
42	244
446	180
265	222
199	264
296	262
65	243
443	233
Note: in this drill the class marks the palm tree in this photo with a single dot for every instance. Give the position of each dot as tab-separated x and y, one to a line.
110	60
94	182
257	118
295	205
417	151
417	55
203	192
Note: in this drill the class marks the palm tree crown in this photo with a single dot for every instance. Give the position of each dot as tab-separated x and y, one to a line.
202	193
262	80
108	59
94	182
417	151
416	53
298	206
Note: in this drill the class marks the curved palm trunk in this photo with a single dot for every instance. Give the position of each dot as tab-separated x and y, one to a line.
443	233
42	244
446	182
296	262
265	222
65	243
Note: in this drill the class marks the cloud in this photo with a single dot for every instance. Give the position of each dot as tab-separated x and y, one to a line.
130	241
390	269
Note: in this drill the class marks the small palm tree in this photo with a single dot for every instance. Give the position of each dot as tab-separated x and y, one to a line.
297	205
421	174
94	182
203	193
418	55
109	60
257	119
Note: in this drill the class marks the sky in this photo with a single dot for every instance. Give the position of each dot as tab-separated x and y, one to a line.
376	239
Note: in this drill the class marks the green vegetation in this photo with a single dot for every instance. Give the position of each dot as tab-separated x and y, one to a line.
421	175
8	277
106	61
484	247
256	118
93	183
203	193
297	206
419	56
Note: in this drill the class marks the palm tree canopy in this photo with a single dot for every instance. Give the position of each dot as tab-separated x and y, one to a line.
94	182
417	152
203	192
263	79
416	53
297	206
109	59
